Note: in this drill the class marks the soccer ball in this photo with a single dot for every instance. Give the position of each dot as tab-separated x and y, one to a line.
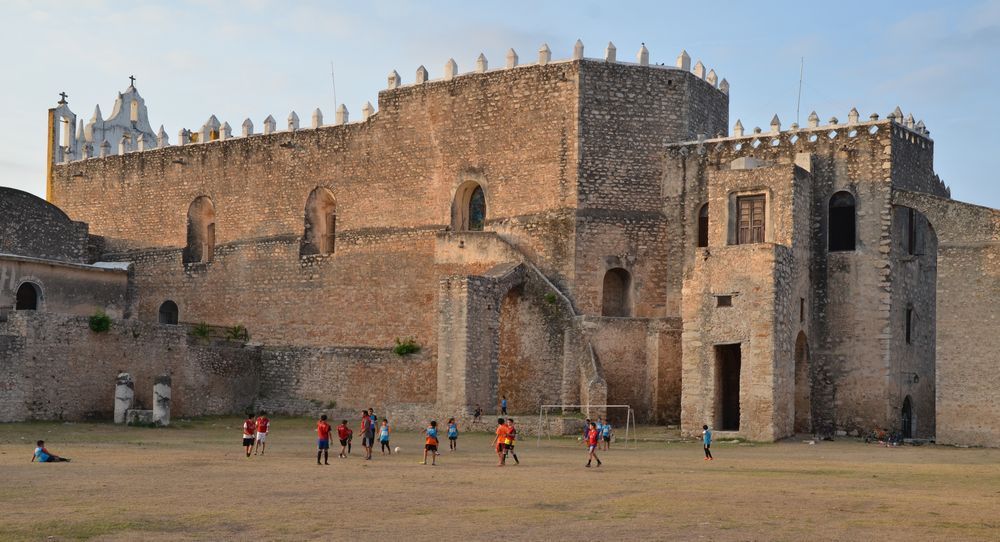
396	449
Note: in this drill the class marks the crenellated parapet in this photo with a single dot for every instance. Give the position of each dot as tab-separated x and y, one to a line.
897	133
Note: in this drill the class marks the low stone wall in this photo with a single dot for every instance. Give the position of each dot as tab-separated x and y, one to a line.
53	367
314	380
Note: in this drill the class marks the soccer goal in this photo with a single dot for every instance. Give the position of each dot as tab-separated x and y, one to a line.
543	420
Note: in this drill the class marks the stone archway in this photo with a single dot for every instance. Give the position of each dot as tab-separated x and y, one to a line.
28	297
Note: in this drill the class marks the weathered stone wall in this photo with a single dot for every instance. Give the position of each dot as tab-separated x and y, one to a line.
53	367
30	226
966	343
304	380
66	288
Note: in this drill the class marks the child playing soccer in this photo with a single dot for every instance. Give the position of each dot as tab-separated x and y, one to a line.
706	440
452	434
498	441
606	434
45	456
262	425
383	437
249	430
367	434
592	445
431	445
344	434
503	405
509	441
323	440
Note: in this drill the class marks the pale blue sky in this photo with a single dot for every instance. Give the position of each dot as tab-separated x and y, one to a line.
259	57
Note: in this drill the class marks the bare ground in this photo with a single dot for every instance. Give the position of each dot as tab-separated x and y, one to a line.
193	482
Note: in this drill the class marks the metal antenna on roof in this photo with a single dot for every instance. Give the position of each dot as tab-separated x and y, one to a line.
334	81
798	102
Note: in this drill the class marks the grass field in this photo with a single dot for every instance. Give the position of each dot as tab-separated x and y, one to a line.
193	482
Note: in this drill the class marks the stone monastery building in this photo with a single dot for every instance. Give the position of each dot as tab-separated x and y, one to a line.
586	231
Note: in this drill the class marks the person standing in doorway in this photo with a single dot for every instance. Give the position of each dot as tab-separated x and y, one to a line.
503	405
706	441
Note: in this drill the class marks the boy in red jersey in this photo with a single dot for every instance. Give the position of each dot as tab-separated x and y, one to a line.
344	434
593	436
249	430
510	440
498	441
262	424
323	440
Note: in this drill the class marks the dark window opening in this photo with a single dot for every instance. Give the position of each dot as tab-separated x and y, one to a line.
911	232
320	228
615	295
750	220
477	210
468	210
703	226
723	301
200	231
843	222
27	297
802	309
727	384
168	313
907	418
909	324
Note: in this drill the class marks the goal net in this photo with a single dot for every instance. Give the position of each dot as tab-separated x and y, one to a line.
548	413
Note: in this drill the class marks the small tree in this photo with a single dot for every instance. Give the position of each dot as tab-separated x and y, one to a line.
100	322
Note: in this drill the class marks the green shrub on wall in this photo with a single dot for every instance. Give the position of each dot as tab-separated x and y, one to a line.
406	346
201	330
100	322
237	333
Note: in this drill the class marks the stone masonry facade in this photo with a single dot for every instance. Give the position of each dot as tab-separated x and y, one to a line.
562	232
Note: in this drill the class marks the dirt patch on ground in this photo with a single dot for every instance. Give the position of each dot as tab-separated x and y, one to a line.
193	482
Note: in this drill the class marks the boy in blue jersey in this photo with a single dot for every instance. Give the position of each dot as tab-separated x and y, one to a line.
452	434
706	439
44	456
606	435
431	444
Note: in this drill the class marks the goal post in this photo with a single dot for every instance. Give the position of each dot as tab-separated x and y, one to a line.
543	420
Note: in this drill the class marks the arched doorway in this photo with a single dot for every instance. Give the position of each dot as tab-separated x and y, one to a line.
906	425
28	295
200	231
803	386
320	230
468	210
168	313
615	298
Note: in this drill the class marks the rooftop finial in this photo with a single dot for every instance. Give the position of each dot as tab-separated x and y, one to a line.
162	140
293	121
367	111
393	80
544	54
712	78
909	121
225	131
643	55
482	64
853	116
610	53
131	81
684	60
450	69
578	50
421	75
317	118
342	115
699	70
738	129
511	58
247	127
724	86
775	124
62	98
813	120
270	125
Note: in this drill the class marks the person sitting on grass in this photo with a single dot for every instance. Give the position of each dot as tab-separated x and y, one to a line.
45	456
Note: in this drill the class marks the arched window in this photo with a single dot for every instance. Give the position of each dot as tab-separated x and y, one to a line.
468	210
27	297
703	226
168	313
200	231
320	231
134	111
843	227
615	296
